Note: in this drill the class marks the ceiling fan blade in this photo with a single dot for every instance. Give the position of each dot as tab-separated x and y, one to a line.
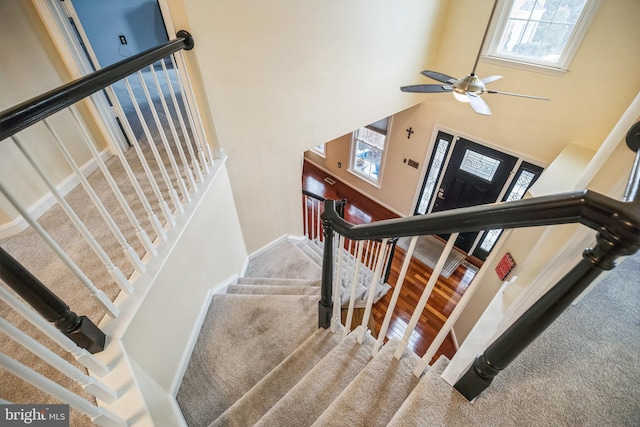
426	88
490	79
518	94
438	76
478	104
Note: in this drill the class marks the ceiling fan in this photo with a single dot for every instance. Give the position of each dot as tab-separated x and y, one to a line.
470	87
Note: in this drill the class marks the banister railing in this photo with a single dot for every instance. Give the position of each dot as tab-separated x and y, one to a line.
616	222
31	111
145	87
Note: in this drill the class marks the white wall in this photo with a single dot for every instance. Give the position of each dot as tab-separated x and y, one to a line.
584	104
209	250
31	66
283	76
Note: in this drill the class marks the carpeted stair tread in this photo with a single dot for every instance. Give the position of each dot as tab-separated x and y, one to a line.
270	281
306	401
257	401
273	290
306	248
376	394
225	363
413	411
284	260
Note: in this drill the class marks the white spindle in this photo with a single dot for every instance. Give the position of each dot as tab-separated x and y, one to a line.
306	216
129	252
372	294
97	294
153	218
319	224
114	270
164	207
140	232
337	281
154	149
163	136
395	295
354	285
98	416
80	354
425	296
88	384
185	134
204	151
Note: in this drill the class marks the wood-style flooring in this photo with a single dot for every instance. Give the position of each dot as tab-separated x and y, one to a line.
446	293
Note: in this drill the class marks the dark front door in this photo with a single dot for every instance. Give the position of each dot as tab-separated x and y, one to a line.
475	175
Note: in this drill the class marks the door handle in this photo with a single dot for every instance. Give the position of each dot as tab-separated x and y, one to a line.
441	193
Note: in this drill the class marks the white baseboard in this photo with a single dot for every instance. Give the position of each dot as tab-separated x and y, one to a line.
46	202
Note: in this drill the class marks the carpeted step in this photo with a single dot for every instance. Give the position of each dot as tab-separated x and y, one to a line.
243	338
283	260
376	394
269	281
253	405
415	411
273	290
306	401
306	247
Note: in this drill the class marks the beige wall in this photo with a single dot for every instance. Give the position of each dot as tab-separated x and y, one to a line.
584	104
30	66
284	76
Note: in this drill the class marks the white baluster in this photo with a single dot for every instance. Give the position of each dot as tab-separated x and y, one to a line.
129	252
185	134
337	297
372	294
153	218
305	209
354	286
90	385
154	149
164	207
99	416
96	293
319	224
114	271
142	235
204	151
169	120
425	296
80	354
395	295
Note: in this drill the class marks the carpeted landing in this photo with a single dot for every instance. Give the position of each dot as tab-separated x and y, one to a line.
260	360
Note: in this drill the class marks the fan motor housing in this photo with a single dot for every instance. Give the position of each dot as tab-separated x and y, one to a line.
469	83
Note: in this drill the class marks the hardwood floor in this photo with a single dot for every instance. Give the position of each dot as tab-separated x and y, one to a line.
446	292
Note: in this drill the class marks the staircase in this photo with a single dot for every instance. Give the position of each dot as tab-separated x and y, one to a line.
260	360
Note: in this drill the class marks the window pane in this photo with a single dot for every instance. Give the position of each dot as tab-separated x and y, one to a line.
367	156
479	165
434	174
539	30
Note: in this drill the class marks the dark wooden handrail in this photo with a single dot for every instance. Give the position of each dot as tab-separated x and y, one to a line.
80	329
617	223
27	113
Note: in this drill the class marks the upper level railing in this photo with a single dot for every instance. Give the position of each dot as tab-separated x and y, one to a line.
616	222
112	213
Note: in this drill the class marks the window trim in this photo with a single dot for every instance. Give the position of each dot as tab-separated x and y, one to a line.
352	150
490	55
322	153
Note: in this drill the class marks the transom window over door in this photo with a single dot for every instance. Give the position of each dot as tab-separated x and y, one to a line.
367	150
543	33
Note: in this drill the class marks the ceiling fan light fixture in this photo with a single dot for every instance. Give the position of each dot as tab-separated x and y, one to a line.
462	97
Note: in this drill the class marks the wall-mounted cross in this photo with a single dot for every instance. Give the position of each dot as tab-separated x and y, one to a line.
409	132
